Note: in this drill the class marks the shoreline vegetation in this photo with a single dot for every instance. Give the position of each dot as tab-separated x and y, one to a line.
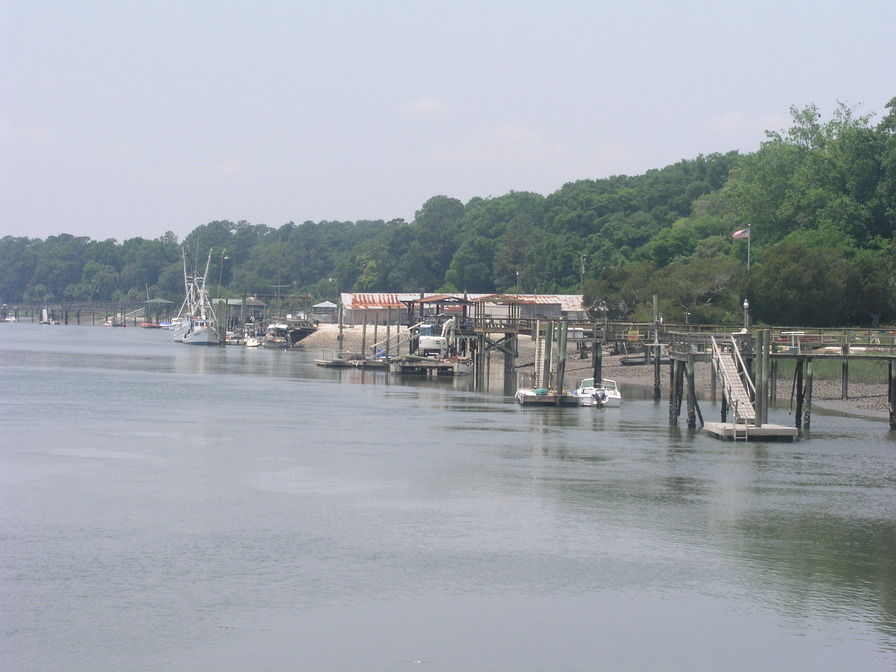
865	399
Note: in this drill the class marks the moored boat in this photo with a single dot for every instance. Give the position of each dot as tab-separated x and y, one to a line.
275	336
604	394
202	323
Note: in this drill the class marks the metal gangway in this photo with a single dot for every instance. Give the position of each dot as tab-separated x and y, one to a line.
736	384
393	342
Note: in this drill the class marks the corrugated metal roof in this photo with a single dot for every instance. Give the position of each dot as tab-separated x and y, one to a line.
383	300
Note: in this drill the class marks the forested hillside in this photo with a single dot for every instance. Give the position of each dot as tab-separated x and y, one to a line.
818	201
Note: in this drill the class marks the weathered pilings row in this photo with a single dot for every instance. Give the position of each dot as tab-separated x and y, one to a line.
763	370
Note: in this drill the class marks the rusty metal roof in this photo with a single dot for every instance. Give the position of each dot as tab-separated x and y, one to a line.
384	300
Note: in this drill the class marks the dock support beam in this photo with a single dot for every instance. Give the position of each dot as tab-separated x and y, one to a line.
676	389
891	392
844	373
656	373
808	414
692	394
673	372
510	355
364	337
773	386
803	393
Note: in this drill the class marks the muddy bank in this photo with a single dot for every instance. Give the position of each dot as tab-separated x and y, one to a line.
866	400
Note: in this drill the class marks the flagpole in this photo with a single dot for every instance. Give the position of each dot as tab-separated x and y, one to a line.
749	238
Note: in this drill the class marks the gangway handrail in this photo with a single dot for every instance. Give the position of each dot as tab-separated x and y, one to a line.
716	351
402	336
729	389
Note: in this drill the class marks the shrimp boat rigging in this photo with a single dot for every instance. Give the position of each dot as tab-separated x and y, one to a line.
200	325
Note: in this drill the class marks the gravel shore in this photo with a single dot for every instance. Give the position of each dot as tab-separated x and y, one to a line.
866	400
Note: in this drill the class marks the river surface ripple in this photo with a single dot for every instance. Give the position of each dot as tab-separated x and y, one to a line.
167	507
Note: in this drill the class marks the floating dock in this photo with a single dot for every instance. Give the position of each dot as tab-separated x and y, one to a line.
427	366
728	431
529	397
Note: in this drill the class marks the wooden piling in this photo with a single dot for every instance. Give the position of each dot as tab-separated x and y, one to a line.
656	374
773	384
766	371
891	392
364	337
759	362
673	375
692	394
679	390
808	396
844	371
799	392
388	332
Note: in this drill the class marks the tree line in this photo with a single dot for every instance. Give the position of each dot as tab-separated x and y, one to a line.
818	201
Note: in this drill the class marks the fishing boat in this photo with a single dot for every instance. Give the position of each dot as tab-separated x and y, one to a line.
604	394
202	323
275	336
180	325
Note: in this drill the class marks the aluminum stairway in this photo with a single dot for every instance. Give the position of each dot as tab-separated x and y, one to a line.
403	335
728	365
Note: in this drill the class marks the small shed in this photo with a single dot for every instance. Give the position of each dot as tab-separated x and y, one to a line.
325	311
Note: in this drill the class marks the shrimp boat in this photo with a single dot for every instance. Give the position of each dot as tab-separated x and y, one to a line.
180	325
201	323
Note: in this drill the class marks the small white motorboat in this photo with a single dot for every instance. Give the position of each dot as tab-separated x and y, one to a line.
605	394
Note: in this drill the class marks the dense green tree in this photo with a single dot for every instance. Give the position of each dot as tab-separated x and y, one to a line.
18	258
59	262
699	290
819	199
798	285
471	266
871	287
515	249
435	226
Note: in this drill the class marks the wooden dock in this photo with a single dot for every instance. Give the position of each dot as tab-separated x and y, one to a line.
746	368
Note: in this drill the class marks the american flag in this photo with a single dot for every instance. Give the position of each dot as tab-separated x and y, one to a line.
743	233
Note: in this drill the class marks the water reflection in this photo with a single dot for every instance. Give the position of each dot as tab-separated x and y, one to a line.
217	503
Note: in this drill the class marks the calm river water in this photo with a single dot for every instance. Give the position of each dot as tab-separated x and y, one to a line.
167	507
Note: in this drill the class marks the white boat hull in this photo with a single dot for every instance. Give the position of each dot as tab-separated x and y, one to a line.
203	336
605	395
593	400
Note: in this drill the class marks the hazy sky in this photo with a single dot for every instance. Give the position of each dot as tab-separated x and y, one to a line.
124	118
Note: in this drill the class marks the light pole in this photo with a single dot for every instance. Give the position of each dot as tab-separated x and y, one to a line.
582	275
746	316
517	284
